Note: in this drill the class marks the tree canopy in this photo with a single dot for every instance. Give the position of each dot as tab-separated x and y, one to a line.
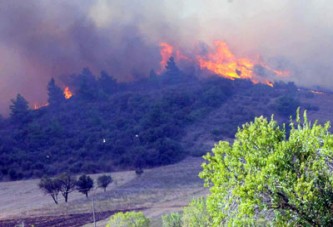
271	176
84	184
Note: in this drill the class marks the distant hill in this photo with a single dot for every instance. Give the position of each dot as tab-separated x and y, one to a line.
107	126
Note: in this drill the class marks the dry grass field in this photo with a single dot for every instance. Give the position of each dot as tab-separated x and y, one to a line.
156	192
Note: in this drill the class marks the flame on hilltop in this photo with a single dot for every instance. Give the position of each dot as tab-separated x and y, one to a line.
166	52
222	62
67	93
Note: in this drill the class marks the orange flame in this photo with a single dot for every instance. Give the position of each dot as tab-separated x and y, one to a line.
166	52
224	63
67	93
221	61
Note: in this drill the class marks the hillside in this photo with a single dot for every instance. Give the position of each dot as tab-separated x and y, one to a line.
108	126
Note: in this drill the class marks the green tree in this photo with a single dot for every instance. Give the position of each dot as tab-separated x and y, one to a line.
56	95
51	187
267	175
128	219
19	108
84	184
103	181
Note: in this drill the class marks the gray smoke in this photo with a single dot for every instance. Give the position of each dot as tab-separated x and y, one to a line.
40	39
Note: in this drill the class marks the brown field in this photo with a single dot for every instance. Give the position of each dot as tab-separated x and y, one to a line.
156	192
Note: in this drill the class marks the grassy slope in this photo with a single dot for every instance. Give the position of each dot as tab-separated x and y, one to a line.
157	191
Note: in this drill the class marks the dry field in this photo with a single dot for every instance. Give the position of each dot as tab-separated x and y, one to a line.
156	192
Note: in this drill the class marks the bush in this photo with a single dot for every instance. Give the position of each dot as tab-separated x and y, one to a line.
172	220
128	219
196	214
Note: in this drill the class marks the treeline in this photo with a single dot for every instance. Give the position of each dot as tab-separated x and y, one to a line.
107	125
65	183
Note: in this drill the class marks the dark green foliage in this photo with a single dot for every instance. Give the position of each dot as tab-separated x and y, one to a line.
287	105
84	184
104	181
56	96
19	108
108	125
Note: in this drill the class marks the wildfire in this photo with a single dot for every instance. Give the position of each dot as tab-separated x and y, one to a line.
38	106
166	52
223	62
67	93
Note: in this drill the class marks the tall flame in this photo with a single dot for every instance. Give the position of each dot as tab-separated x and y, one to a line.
67	93
223	62
166	52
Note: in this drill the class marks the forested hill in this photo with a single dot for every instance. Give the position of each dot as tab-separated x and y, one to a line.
108	126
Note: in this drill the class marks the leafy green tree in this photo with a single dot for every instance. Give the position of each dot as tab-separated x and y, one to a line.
84	184
128	219
67	184
50	186
19	108
55	94
267	175
103	181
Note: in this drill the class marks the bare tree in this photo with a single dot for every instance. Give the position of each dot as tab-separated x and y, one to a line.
67	184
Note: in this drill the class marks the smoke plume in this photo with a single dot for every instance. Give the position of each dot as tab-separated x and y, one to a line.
40	39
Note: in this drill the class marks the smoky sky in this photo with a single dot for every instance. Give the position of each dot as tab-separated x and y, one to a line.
40	39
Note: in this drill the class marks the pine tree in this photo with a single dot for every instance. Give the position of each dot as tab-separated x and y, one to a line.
55	93
19	108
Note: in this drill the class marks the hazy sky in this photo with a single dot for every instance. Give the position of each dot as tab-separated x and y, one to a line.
40	39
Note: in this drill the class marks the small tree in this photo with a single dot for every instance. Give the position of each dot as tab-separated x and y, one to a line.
269	175
55	93
84	184
51	187
67	184
19	108
128	219
103	181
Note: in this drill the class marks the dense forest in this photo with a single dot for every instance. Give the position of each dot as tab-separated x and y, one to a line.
107	125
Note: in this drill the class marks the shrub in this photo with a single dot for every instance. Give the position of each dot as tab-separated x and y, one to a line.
196	214
172	220
128	219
